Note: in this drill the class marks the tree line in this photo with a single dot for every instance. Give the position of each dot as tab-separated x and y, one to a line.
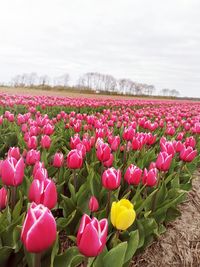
92	81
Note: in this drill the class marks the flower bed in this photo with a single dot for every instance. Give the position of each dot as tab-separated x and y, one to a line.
102	176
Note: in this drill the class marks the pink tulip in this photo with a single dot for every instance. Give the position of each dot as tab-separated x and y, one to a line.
14	152
58	160
12	171
32	142
128	133
133	175
111	178
37	166
115	143
43	192
3	198
163	161
45	141
150	177
82	149
109	162
103	152
32	157
91	237
188	154
93	204
40	174
74	159
39	229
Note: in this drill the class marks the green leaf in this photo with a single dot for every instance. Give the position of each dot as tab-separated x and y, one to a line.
132	245
145	202
115	257
65	259
62	223
18	208
54	251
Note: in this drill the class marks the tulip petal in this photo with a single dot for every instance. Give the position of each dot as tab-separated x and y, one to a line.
125	219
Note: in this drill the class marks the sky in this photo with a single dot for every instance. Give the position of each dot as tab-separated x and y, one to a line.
150	41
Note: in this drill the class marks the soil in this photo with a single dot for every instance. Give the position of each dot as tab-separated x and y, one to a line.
180	245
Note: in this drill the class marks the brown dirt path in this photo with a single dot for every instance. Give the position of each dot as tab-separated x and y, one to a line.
180	245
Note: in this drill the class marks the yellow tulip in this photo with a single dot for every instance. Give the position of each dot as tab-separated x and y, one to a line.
122	214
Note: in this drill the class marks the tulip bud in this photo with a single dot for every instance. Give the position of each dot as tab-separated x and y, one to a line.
12	171
91	237
103	152
109	162
149	177
58	160
32	157
3	198
122	214
188	154
40	174
163	161
74	159
45	141
111	178
39	229
93	204
14	152
43	192
133	175
32	142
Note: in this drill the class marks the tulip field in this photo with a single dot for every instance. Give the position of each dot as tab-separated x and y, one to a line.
87	182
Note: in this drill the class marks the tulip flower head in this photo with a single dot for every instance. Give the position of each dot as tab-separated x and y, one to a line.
12	171
133	175
150	177
93	204
43	192
39	229
111	178
74	159
91	237
163	161
122	214
188	154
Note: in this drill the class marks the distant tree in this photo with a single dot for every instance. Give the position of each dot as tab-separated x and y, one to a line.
44	80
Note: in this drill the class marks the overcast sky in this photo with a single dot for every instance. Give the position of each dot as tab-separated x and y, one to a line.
151	41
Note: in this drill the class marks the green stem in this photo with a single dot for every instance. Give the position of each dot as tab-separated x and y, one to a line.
13	196
156	194
108	204
37	259
75	179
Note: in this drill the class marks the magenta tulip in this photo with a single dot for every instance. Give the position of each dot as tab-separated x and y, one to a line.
111	178
103	152
188	154
12	171
32	157
150	177
91	237
93	204
14	152
39	229
43	192
133	175
58	160
45	141
163	161
74	159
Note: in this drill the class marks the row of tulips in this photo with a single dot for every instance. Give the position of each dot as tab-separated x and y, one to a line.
91	182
